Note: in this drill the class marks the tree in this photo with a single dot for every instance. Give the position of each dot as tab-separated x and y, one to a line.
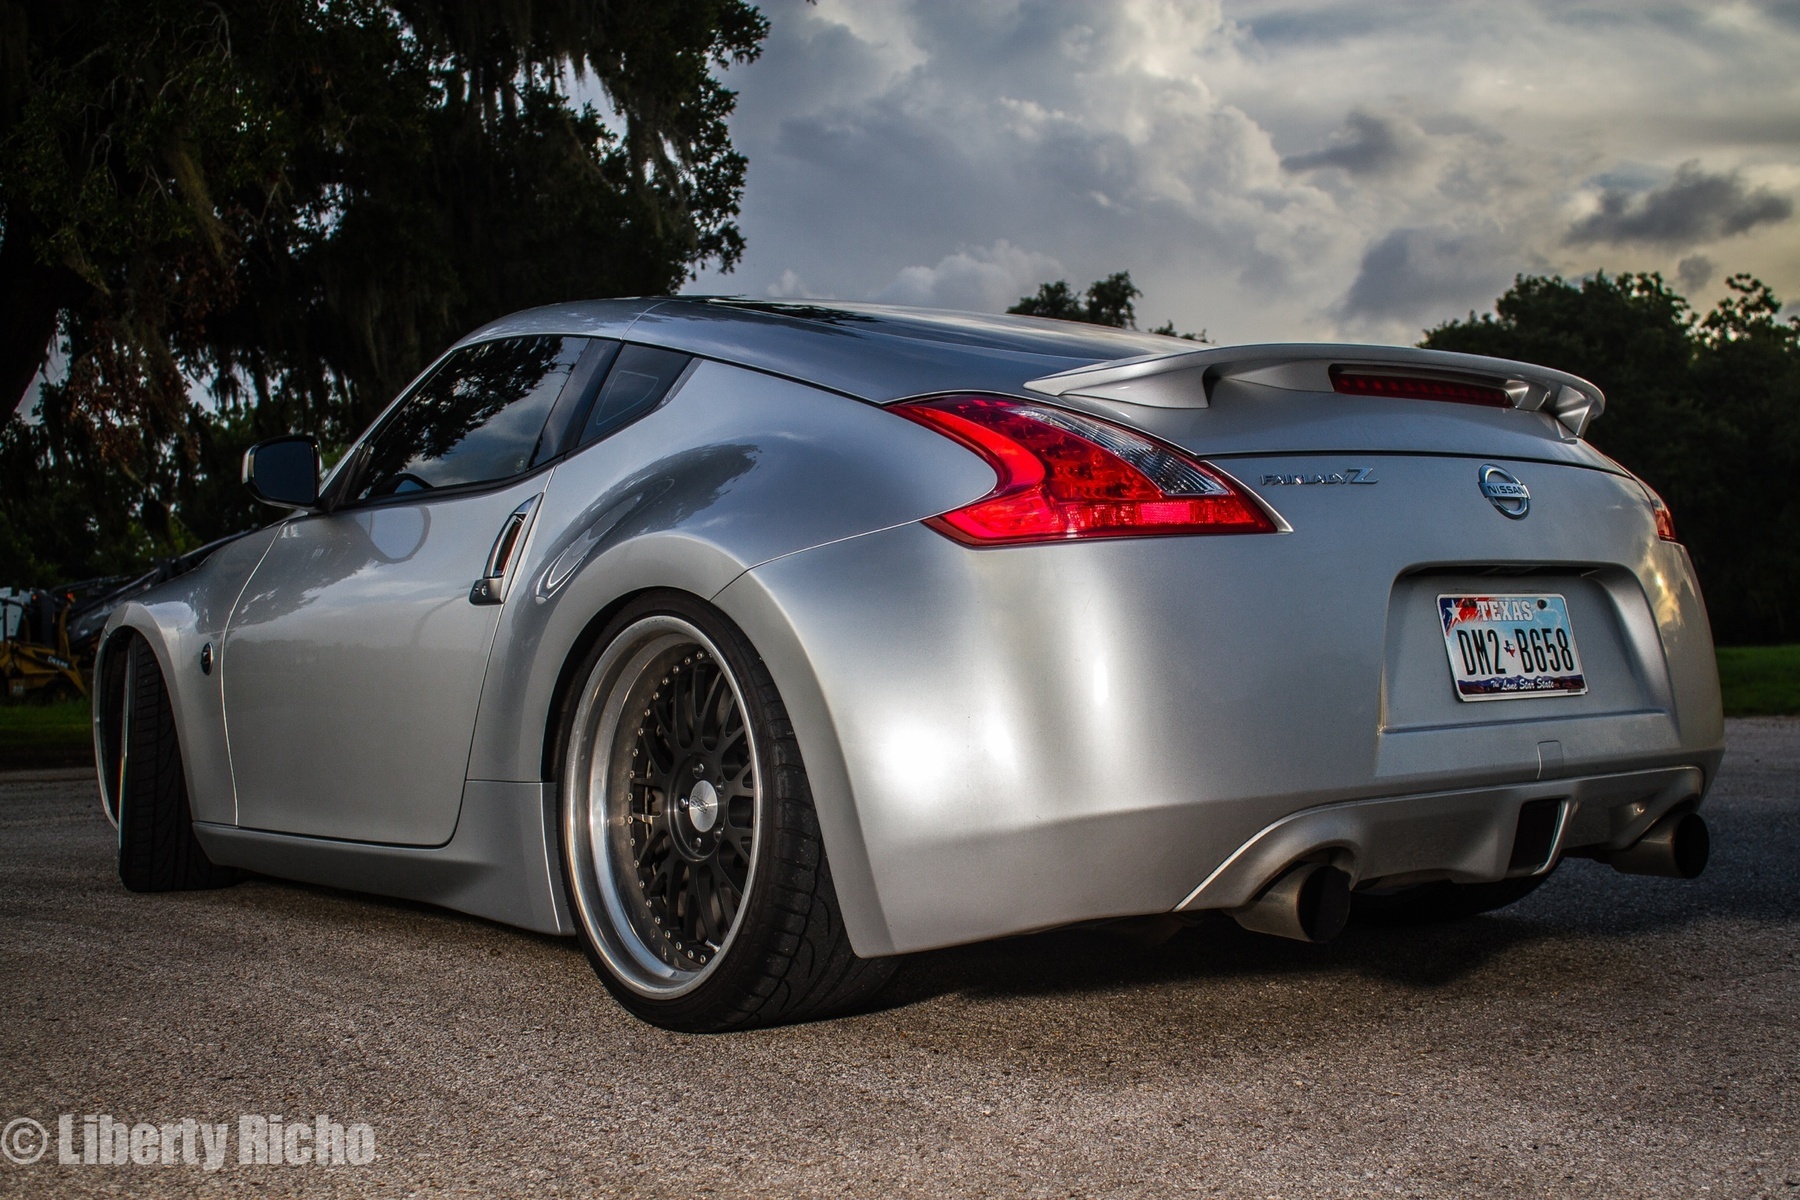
1054	300
1706	410
1108	302
1167	329
291	205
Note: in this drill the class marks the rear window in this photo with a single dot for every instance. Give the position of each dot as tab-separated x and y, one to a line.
639	380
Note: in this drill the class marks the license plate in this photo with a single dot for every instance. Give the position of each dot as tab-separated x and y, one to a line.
1511	647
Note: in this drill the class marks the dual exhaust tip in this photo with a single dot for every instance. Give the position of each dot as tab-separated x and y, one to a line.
1311	902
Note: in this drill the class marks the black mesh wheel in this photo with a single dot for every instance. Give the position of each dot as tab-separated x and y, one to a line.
691	852
157	848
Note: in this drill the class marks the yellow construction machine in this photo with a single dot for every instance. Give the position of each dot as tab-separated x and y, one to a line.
35	660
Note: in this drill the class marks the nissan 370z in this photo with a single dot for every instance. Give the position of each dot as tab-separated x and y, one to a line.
754	645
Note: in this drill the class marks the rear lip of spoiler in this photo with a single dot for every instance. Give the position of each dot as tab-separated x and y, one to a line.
1184	378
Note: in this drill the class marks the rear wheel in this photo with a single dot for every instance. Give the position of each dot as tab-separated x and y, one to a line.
691	851
157	848
1434	903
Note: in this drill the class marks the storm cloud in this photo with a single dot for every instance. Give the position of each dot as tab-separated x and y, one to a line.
1695	206
1414	273
1368	144
1263	168
981	279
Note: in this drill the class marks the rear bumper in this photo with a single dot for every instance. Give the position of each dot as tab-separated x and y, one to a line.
1466	836
1007	740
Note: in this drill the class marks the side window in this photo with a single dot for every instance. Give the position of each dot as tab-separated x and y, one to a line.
477	418
637	383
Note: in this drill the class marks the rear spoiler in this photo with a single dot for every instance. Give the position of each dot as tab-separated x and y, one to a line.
1184	379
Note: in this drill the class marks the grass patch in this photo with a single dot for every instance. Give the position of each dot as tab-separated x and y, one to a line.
34	736
1760	681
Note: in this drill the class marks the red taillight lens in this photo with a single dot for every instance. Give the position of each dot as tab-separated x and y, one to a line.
1064	476
1352	382
1665	520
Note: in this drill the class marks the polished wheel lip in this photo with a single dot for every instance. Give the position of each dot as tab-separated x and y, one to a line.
590	776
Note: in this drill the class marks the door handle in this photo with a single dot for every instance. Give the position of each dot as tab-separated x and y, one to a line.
491	587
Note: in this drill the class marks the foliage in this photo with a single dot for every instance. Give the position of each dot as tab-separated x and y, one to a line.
1704	409
1107	302
35	736
291	205
1760	681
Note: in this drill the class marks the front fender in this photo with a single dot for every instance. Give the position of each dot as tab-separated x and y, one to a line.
176	619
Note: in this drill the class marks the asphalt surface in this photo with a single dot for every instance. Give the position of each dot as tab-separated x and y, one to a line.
1609	1036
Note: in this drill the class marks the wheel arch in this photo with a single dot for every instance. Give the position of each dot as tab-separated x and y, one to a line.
760	618
566	678
543	637
758	612
108	692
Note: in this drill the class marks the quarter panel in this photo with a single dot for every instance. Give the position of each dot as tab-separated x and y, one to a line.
735	469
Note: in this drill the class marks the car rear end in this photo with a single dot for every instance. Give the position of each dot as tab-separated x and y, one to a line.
1397	624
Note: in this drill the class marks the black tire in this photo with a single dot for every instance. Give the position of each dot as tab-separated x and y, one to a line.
157	848
1440	902
773	948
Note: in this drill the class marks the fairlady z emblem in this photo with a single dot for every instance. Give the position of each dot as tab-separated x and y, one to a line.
1347	475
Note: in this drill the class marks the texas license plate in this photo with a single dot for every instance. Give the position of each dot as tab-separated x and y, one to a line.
1511	647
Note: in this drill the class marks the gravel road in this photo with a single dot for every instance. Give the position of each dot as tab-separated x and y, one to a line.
1609	1036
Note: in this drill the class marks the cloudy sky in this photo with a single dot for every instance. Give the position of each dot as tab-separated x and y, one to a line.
1266	168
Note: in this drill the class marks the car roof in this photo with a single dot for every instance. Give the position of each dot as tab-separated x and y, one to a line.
870	351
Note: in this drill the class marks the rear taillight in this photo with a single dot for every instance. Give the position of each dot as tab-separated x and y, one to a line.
1065	476
1353	382
1665	520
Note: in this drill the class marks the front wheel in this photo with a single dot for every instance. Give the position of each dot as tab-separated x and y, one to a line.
157	848
691	852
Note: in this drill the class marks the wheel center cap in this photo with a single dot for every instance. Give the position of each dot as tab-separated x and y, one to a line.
702	806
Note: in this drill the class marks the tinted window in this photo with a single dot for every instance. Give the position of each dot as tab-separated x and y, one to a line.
639	380
478	418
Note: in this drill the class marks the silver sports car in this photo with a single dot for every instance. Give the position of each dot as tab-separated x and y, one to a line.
756	644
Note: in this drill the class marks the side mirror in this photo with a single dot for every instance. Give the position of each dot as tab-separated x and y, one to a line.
284	471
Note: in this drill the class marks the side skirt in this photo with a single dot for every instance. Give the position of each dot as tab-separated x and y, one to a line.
499	864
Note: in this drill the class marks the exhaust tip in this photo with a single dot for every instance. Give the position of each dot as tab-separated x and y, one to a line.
1676	847
1311	903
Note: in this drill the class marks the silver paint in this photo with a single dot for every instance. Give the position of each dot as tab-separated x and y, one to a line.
996	740
356	637
176	619
736	469
1038	735
495	866
1183	378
